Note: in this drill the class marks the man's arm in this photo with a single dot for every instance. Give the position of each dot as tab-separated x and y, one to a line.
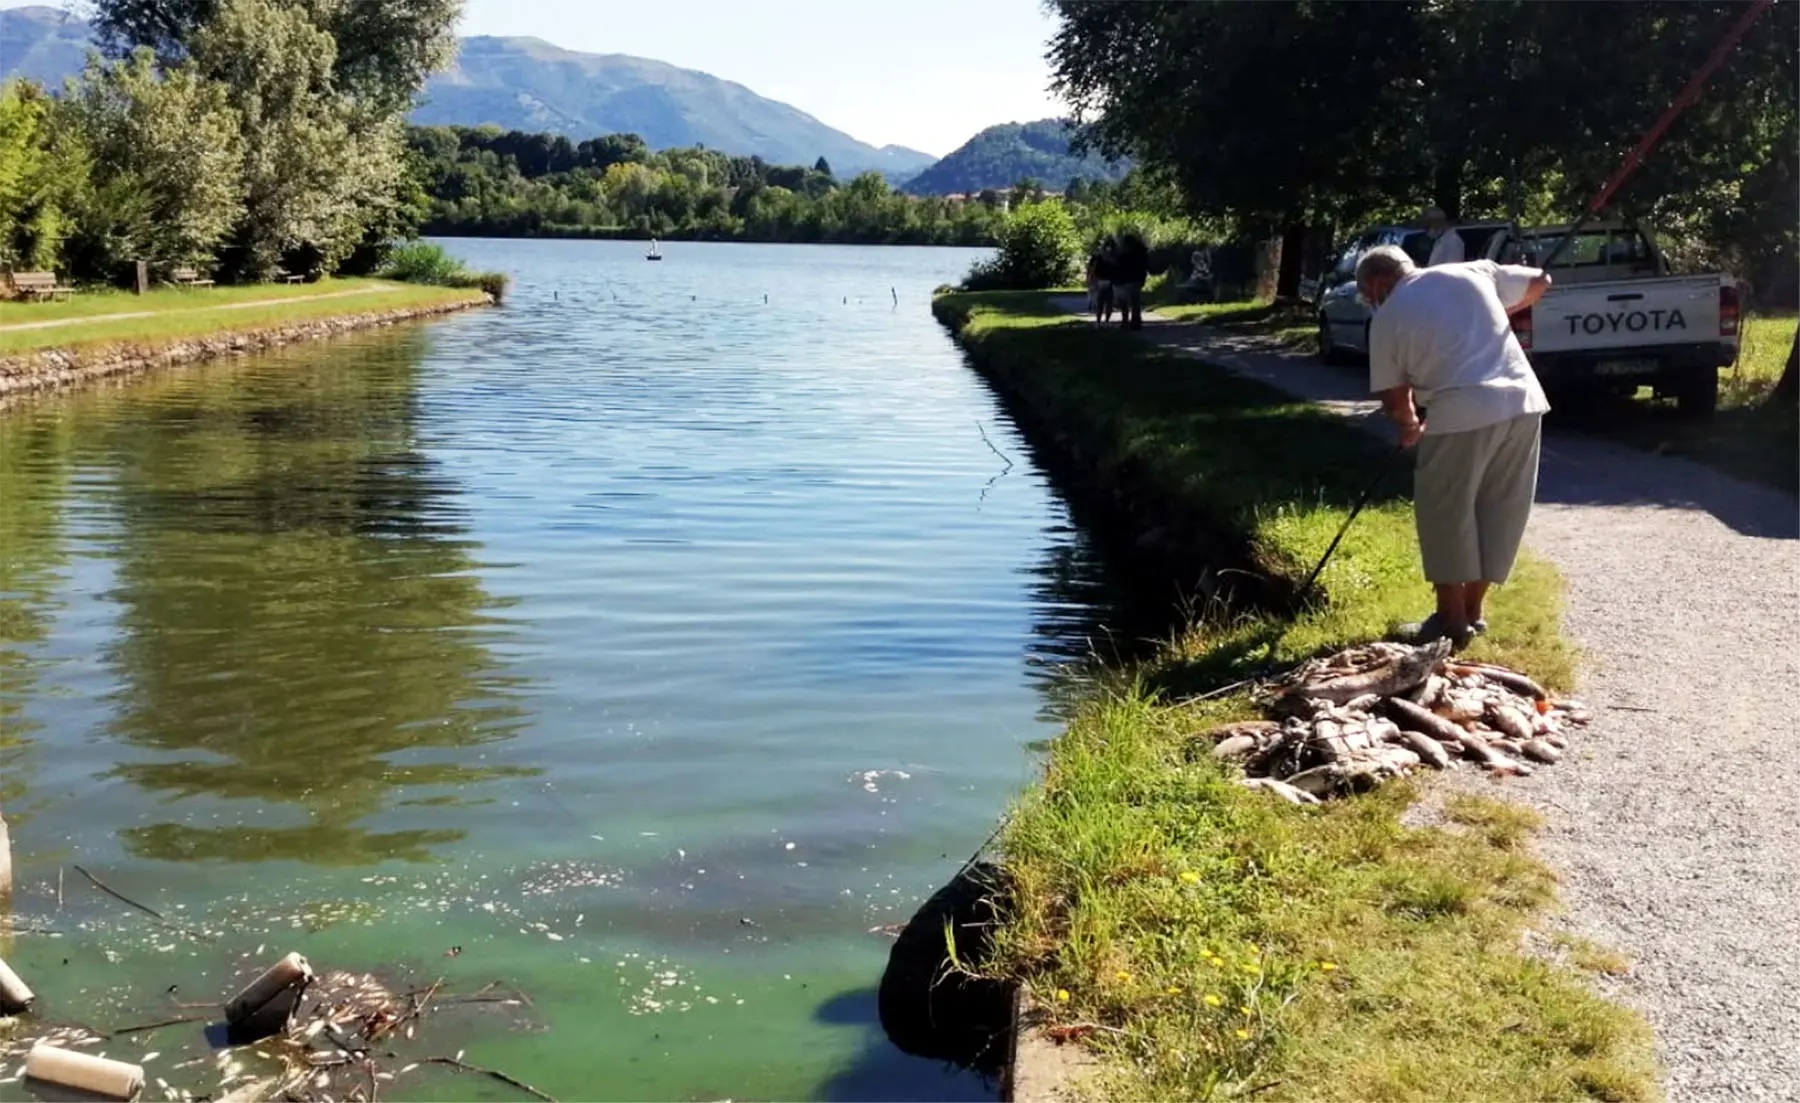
1397	403
1520	287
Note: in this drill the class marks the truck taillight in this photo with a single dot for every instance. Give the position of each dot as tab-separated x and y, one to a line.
1521	326
1728	310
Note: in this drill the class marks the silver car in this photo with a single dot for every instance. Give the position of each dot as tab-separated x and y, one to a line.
1343	316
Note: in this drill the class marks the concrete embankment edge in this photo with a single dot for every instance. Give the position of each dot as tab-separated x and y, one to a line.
1153	536
56	369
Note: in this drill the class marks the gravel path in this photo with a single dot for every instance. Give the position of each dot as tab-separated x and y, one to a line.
1675	822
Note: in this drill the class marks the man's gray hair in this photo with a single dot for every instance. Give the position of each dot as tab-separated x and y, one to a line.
1382	262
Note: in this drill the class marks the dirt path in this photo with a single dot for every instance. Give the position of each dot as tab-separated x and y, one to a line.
124	315
1675	825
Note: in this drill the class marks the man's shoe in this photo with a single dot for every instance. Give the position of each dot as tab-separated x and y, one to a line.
1430	629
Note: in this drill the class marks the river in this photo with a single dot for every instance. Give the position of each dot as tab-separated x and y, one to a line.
642	643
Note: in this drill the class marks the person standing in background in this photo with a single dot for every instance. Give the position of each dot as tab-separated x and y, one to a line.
1446	244
1132	270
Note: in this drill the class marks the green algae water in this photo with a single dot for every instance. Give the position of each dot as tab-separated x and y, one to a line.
640	645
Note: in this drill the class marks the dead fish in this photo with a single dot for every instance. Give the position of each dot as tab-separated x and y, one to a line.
1511	679
1280	788
1541	750
1242	727
1236	746
1318	781
1365	703
1413	718
1510	722
1557	740
1428	749
1395	674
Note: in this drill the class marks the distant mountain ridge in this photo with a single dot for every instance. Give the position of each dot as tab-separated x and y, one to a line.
1001	156
532	85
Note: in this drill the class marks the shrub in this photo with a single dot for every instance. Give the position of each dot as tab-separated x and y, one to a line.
1038	248
494	283
423	262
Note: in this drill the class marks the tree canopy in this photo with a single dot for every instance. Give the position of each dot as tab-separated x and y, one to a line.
1328	111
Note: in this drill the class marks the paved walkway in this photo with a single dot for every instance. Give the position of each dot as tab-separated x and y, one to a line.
85	319
1675	823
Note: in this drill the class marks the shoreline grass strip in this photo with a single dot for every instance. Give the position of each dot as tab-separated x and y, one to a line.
1227	942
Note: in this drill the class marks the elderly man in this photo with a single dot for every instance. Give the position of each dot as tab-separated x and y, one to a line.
1441	339
1446	243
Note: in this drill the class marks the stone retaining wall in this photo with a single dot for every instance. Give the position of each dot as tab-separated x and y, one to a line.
57	368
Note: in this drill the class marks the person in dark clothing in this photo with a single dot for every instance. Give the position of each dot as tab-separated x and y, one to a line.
1130	272
1100	272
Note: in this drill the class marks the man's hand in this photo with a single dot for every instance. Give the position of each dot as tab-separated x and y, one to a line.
1399	406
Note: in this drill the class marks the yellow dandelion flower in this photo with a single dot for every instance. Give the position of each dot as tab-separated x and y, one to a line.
1245	1010
1327	966
1062	995
1216	962
1123	976
1251	967
1212	1000
1243	1034
1173	991
1190	877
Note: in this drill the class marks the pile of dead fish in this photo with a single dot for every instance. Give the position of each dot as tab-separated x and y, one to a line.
1348	722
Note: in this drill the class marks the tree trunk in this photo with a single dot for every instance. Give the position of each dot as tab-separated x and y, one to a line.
1787	392
1293	255
1446	185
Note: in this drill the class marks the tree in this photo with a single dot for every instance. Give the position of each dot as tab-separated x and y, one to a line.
317	168
38	170
386	48
176	141
1038	248
823	167
1367	111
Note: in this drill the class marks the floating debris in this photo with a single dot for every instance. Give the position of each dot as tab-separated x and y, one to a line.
1348	722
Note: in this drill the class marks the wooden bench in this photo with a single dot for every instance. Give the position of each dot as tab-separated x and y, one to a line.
39	285
285	276
188	277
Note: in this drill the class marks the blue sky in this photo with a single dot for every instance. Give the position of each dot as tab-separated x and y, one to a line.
920	73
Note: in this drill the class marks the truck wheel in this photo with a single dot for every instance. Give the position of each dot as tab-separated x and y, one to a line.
1328	346
1698	395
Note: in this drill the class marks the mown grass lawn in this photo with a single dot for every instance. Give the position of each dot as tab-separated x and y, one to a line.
1223	943
169	314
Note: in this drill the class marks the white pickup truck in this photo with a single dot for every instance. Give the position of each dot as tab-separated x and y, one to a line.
1613	319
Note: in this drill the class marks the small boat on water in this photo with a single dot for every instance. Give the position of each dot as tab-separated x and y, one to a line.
654	253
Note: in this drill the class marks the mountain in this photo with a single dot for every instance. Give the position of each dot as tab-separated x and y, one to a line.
529	84
1001	156
42	44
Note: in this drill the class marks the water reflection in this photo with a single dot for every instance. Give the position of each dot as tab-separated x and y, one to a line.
300	622
35	463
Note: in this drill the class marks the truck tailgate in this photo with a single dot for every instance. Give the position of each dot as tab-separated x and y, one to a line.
1627	314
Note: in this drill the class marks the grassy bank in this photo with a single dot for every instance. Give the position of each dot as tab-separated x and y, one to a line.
108	318
1218	942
